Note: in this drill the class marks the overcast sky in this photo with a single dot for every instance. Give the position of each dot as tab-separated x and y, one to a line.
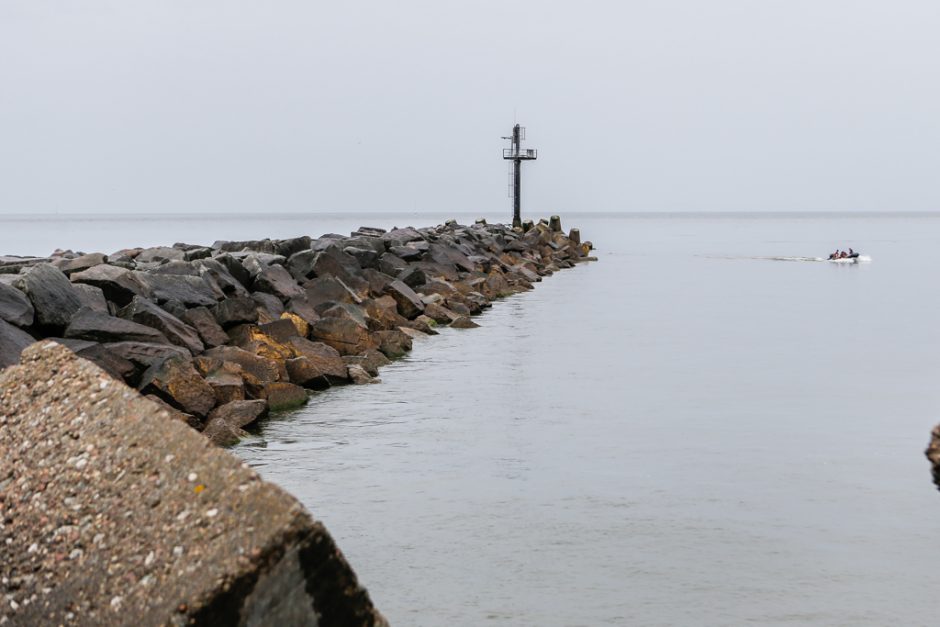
659	105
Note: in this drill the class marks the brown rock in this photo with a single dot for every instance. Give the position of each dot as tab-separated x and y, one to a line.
301	325
177	382
324	358
393	343
344	335
463	322
282	396
206	326
371	360
409	303
359	376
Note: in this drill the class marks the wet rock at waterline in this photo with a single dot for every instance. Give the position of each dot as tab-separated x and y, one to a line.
266	321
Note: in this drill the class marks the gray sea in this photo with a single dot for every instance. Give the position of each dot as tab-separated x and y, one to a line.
691	431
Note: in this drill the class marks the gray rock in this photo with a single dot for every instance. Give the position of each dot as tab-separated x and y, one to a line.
14	265
160	253
119	285
15	307
144	355
106	359
391	264
51	295
270	306
367	257
88	324
80	263
329	289
222	277
12	343
400	237
190	290
91	297
273	279
176	331
236	310
413	276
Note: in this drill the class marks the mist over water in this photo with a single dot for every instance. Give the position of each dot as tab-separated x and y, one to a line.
687	432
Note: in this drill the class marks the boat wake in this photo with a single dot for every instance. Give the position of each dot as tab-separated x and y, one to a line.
847	260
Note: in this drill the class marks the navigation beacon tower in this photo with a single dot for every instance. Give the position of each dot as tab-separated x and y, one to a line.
516	156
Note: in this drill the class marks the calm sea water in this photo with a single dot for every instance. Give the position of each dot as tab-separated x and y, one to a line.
684	433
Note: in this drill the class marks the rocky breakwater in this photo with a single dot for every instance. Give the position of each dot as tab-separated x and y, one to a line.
114	513
219	335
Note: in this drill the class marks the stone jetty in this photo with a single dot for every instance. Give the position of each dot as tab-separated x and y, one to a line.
220	335
120	373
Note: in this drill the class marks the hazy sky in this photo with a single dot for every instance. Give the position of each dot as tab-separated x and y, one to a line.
212	105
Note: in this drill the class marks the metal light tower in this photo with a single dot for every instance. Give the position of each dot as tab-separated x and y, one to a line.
516	156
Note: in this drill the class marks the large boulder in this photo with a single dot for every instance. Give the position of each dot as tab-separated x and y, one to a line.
80	263
116	513
144	354
273	279
282	396
226	423
119	285
51	295
235	310
176	331
409	303
393	343
106	359
191	291
205	324
383	313
221	275
91	297
371	360
321	358
176	381
329	289
343	334
12	343
92	325
255	371
15	307
159	254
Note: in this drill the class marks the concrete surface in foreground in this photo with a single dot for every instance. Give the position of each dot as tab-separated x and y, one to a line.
111	512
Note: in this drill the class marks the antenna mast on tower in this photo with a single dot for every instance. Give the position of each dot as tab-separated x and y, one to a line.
516	156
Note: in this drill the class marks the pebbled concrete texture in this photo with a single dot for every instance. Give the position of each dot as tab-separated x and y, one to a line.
112	512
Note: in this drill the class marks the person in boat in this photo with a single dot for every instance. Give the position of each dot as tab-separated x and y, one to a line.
834	255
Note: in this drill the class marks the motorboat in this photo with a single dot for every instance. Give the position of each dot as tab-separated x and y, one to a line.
855	258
